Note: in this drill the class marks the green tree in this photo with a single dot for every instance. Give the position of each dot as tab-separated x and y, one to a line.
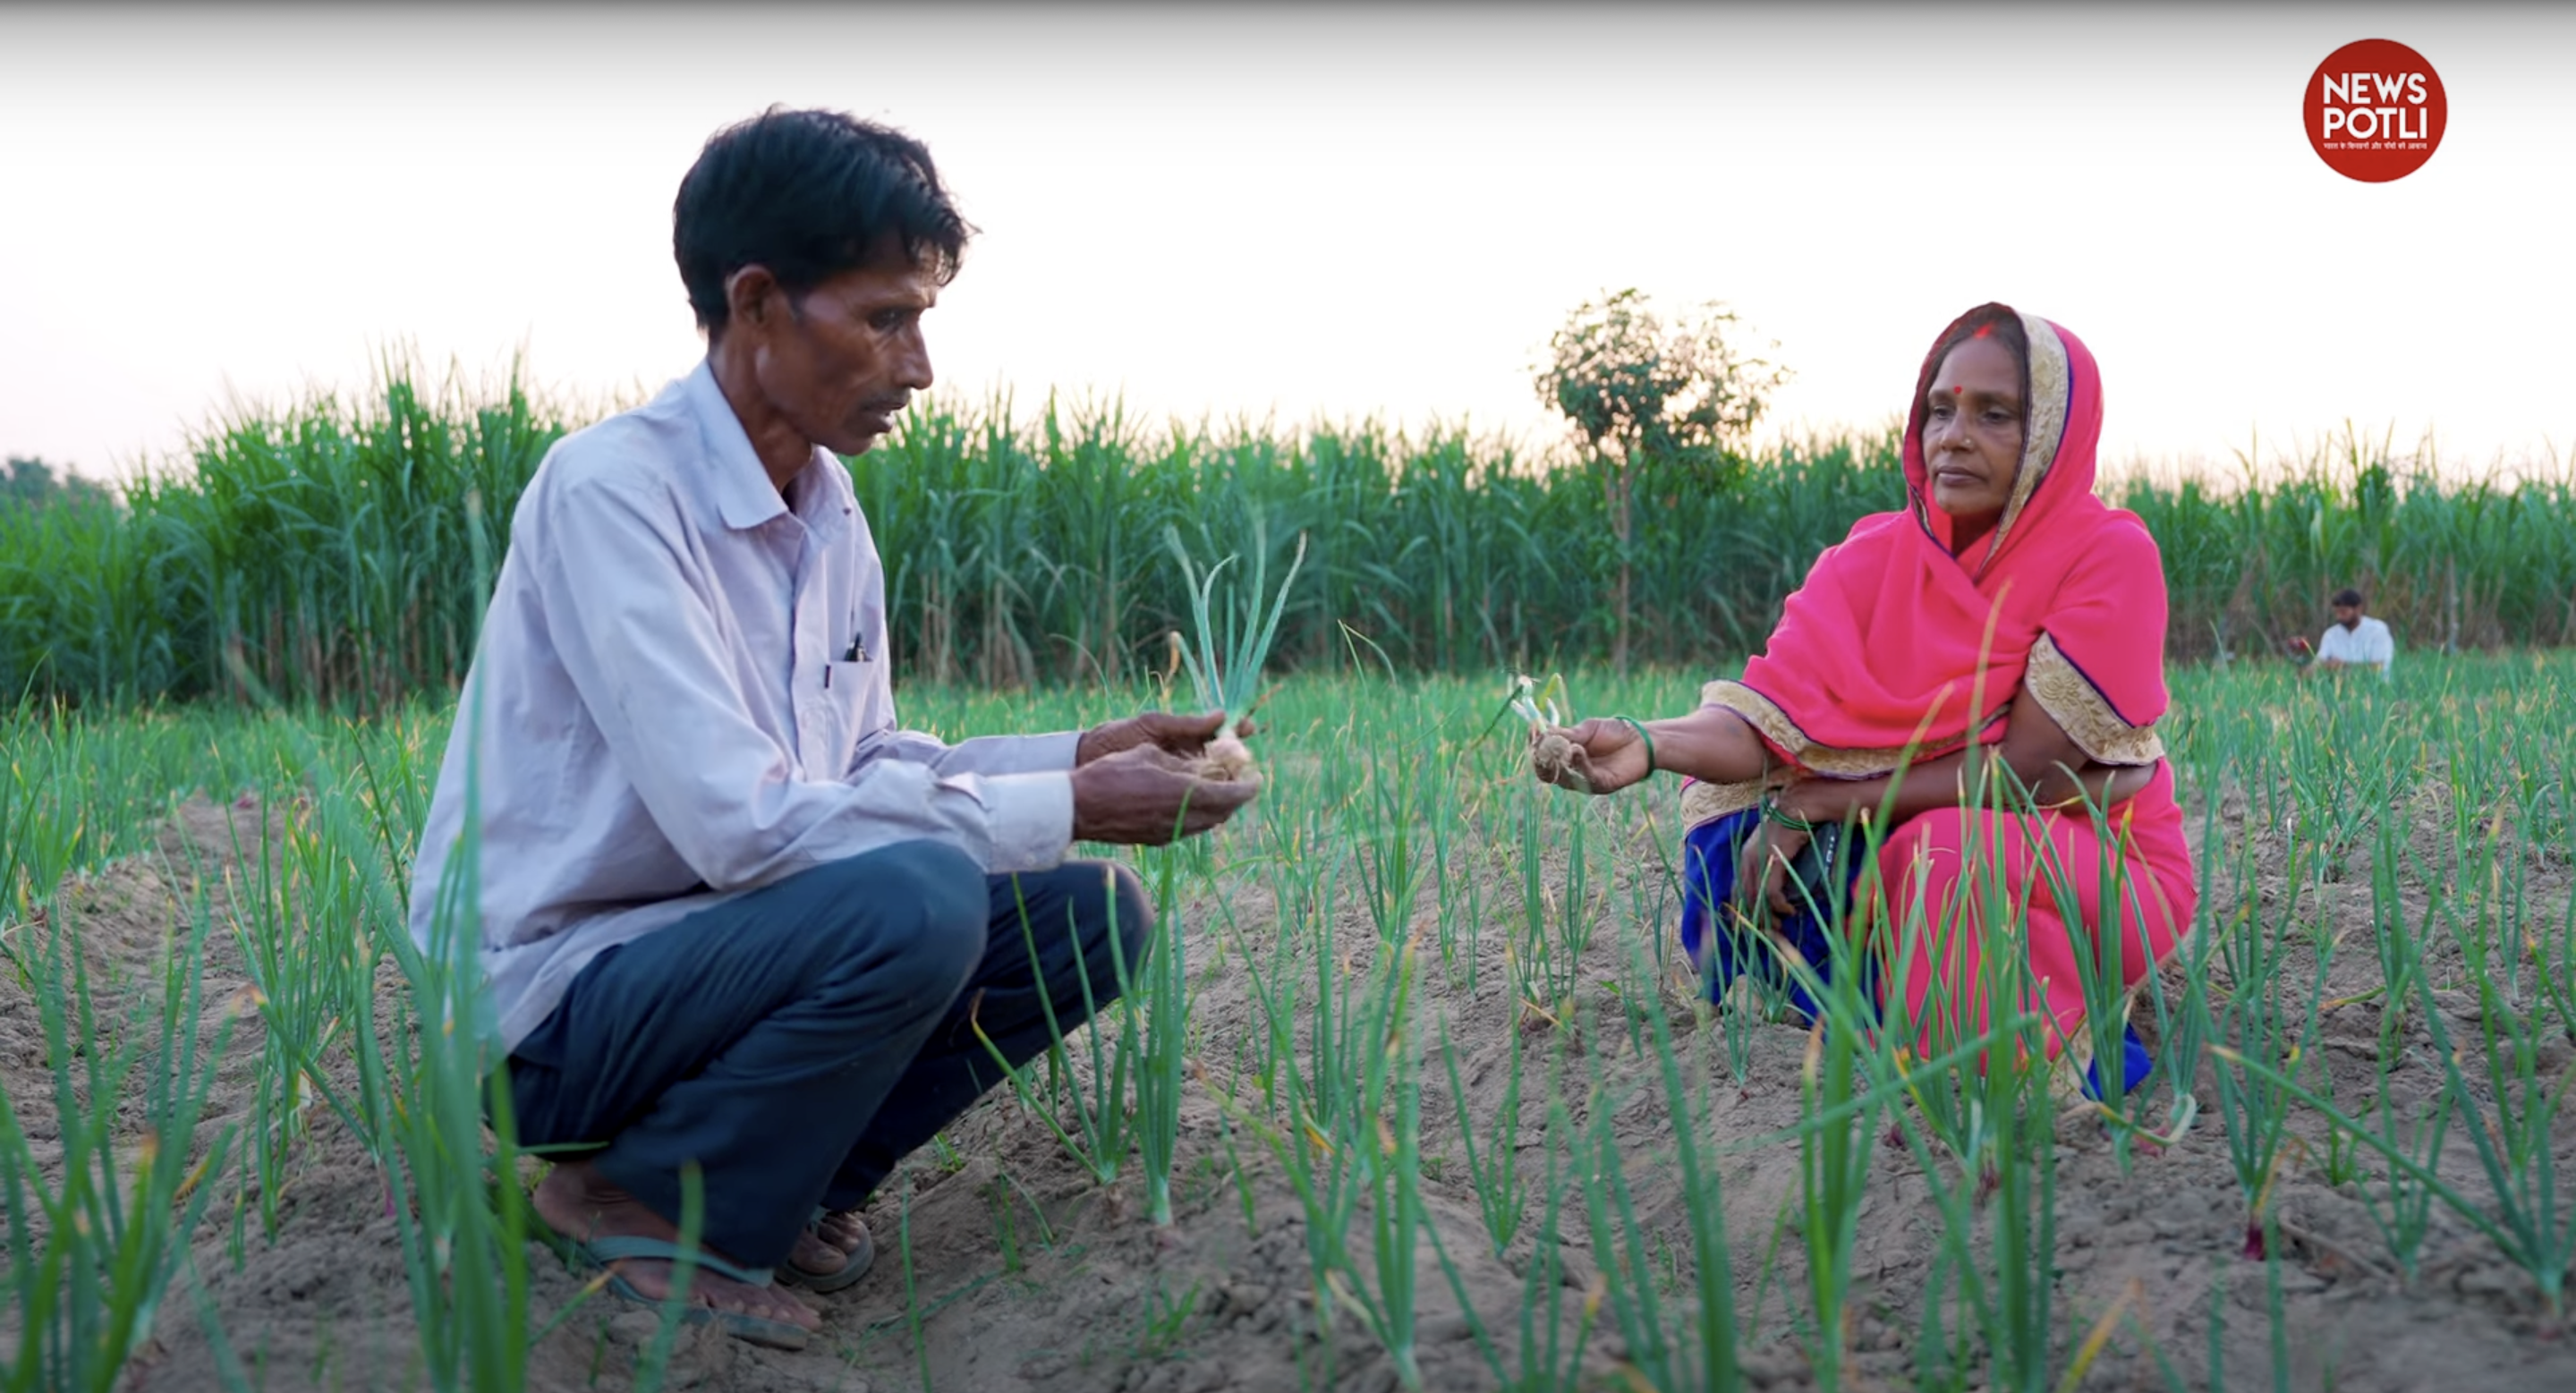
31	483
1647	392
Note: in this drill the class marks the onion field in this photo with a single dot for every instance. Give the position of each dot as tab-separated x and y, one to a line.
1414	1090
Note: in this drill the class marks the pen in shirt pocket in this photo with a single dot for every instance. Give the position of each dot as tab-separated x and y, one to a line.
857	652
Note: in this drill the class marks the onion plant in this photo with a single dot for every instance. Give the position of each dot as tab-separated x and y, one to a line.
2014	1296
2402	1207
1493	1170
1458	894
1391	1175
1544	952
91	1252
464	1233
1833	1170
2514	1132
1351	1136
1162	1067
1385	856
1700	1351
1226	674
308	985
1545	1358
2262	1025
1102	1133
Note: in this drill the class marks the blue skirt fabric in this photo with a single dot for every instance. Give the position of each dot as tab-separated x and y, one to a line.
1724	948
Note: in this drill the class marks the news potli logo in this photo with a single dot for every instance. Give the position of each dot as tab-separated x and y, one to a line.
2375	110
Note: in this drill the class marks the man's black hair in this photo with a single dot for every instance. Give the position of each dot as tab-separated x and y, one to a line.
807	194
2347	599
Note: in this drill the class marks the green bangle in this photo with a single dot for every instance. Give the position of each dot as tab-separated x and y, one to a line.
1639	727
1773	812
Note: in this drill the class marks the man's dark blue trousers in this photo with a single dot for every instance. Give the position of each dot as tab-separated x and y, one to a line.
798	1041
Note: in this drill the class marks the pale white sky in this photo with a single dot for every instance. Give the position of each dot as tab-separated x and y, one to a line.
1337	213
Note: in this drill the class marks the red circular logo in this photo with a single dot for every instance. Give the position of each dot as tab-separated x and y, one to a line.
2375	110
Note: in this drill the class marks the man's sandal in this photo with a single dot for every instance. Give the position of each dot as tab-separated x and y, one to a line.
605	1253
854	1263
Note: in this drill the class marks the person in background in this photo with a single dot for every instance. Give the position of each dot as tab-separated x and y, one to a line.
736	922
2353	640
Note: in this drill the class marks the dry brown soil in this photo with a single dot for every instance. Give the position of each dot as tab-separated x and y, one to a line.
1097	1298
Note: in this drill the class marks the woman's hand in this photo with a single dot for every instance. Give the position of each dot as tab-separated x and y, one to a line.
1597	756
1762	873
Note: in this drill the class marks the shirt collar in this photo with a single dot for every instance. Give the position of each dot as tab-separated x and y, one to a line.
744	494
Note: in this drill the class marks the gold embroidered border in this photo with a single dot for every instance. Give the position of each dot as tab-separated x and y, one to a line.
1762	713
1706	802
2049	383
1765	716
2062	690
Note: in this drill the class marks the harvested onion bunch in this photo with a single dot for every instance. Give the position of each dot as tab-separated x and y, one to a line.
1227	677
1552	756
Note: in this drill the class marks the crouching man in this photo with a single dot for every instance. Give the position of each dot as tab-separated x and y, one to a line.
731	915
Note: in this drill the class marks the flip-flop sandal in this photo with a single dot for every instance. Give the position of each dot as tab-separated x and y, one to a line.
605	1253
854	1264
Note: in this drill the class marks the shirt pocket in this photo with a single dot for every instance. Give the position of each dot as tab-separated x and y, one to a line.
847	689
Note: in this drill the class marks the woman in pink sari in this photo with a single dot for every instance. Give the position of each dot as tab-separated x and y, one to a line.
2005	622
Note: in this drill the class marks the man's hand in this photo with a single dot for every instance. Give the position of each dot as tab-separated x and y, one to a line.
1185	736
1143	795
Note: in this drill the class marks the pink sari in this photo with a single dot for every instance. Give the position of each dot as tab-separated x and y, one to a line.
1893	642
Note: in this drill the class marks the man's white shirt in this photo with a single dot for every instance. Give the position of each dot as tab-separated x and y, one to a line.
2367	642
682	697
